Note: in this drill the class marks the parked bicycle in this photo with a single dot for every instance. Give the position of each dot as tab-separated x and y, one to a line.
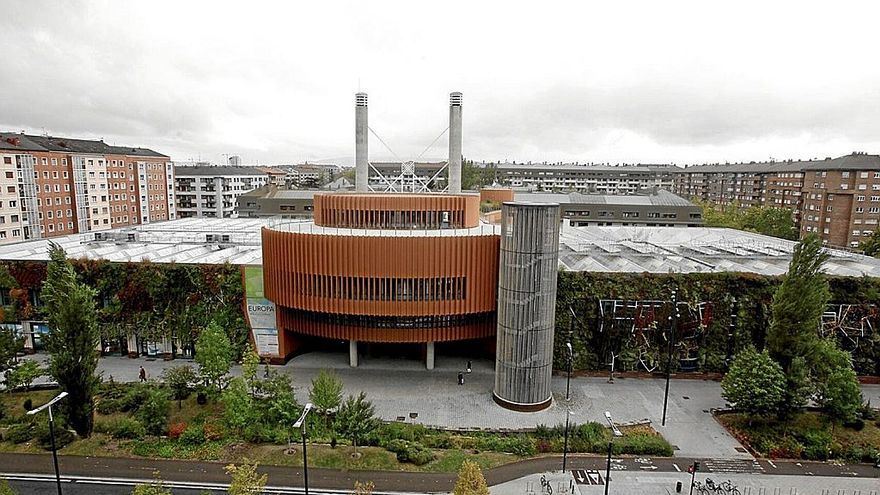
712	488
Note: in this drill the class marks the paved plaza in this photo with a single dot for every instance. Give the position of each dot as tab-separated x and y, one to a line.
404	388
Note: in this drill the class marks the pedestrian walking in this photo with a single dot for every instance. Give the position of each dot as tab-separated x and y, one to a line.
142	374
469	366
460	378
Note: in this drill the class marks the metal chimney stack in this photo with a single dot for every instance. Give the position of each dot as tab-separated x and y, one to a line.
454	142
361	134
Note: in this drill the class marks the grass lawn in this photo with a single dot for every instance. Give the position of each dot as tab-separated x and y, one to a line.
809	435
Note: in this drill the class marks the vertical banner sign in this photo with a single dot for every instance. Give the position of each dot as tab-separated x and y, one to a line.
260	312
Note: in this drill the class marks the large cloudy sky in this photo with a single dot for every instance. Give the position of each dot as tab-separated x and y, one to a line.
588	81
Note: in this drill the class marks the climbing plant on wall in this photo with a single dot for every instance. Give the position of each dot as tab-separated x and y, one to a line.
642	345
147	299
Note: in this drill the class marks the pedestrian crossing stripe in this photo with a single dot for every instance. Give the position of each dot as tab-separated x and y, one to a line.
588	477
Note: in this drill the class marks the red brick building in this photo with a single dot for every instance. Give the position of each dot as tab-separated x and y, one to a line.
58	186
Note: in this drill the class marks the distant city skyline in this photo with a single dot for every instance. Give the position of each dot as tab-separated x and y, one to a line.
641	82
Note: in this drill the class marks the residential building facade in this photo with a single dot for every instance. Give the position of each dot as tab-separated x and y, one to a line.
67	186
207	191
836	198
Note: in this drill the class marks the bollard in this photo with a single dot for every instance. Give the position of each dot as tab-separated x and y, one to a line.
678	487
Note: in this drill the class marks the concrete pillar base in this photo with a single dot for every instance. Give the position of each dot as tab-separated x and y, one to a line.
353	353
429	356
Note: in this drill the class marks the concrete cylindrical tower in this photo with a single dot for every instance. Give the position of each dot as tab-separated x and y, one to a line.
454	167
526	305
361	134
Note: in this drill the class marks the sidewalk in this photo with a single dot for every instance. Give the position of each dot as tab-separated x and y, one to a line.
623	483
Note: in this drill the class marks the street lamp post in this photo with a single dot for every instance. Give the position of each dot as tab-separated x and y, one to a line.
48	406
617	433
672	331
301	423
567	405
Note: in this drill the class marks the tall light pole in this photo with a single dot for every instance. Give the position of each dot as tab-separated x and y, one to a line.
567	407
48	406
617	433
301	423
672	330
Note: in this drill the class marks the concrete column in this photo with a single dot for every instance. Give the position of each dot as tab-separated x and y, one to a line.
429	356
28	337
527	269
353	353
361	137
454	167
133	350
167	348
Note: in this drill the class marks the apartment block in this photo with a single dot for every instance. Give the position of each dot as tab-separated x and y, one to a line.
67	186
208	191
601	179
836	198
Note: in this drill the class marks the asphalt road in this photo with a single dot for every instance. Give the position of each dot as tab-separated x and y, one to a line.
392	481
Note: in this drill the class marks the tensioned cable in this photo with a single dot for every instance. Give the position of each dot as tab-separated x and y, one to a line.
433	142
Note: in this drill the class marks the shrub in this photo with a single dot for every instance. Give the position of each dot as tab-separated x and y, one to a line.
543	432
256	432
109	406
153	411
193	435
136	395
816	445
413	452
588	437
213	431
19	433
63	436
643	444
175	430
28	404
857	424
522	445
126	428
544	446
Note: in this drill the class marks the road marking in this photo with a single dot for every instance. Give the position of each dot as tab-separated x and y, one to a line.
771	463
86	480
676	467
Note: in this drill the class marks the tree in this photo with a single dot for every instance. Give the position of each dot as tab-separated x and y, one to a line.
326	391
238	405
214	354
470	480
10	345
355	418
153	411
755	383
283	407
843	397
155	487
245	479
798	304
250	361
179	379
73	341
24	374
363	488
871	245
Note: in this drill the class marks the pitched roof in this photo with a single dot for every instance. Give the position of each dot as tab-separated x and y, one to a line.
29	142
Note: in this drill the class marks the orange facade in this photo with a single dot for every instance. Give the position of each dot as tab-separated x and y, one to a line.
381	276
396	211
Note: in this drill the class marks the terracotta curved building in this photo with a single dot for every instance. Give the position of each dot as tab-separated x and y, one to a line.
409	265
384	268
